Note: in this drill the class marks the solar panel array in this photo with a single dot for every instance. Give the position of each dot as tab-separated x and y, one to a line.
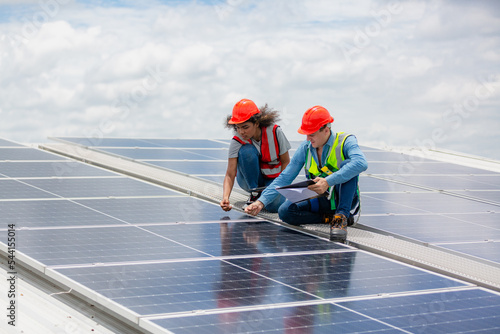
444	204
171	262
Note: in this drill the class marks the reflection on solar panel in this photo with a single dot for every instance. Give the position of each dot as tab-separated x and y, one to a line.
167	261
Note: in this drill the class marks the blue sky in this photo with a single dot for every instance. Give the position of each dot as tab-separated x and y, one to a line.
395	73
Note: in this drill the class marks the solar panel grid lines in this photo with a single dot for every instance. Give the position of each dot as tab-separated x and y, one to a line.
427	228
174	180
405	160
432	311
159	283
7	143
103	302
224	258
429	257
423	314
27	154
325	303
243	273
62	168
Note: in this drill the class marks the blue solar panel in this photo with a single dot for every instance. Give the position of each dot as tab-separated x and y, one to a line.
49	213
189	143
181	286
488	250
25	153
242	238
444	312
160	210
194	168
145	142
370	184
72	246
490	196
451	182
197	285
7	143
99	245
323	318
403	168
99	187
349	274
489	219
424	202
183	254
108	142
170	153
470	311
11	189
392	157
65	168
430	227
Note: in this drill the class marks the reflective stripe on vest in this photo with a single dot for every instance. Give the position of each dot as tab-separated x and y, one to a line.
270	163
334	158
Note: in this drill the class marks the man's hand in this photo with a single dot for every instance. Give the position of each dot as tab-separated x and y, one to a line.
225	205
254	208
320	186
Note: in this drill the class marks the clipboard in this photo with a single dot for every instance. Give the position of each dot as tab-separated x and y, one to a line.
298	192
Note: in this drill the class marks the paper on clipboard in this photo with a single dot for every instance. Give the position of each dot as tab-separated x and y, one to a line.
298	192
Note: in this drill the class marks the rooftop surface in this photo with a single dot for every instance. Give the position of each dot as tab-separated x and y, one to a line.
131	227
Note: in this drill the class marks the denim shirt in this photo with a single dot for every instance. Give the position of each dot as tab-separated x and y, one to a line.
355	164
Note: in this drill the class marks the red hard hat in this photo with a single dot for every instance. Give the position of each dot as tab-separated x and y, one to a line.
242	111
314	118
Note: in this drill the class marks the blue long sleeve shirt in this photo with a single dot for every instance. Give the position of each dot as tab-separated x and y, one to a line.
354	166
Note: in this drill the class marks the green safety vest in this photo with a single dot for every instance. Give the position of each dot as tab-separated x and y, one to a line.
334	159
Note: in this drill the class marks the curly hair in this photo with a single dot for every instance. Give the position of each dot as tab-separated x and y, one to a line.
265	118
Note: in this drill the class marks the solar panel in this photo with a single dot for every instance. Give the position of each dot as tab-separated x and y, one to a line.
26	153
316	318
98	187
170	261
405	168
64	168
394	184
421	202
51	213
108	142
430	227
145	142
8	143
158	210
488	250
233	239
91	245
452	182
185	286
486	195
170	153
13	189
443	312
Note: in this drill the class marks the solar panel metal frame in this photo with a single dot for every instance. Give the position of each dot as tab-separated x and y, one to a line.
132	316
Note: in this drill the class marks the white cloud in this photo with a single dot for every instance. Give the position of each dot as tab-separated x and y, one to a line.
176	70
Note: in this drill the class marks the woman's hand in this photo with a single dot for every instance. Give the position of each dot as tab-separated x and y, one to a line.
225	205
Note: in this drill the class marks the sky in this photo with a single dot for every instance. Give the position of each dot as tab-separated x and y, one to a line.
421	74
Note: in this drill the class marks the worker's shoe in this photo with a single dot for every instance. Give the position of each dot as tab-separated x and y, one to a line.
350	221
253	197
254	194
338	226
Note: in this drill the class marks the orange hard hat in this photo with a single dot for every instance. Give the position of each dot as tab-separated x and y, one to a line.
314	118
242	111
